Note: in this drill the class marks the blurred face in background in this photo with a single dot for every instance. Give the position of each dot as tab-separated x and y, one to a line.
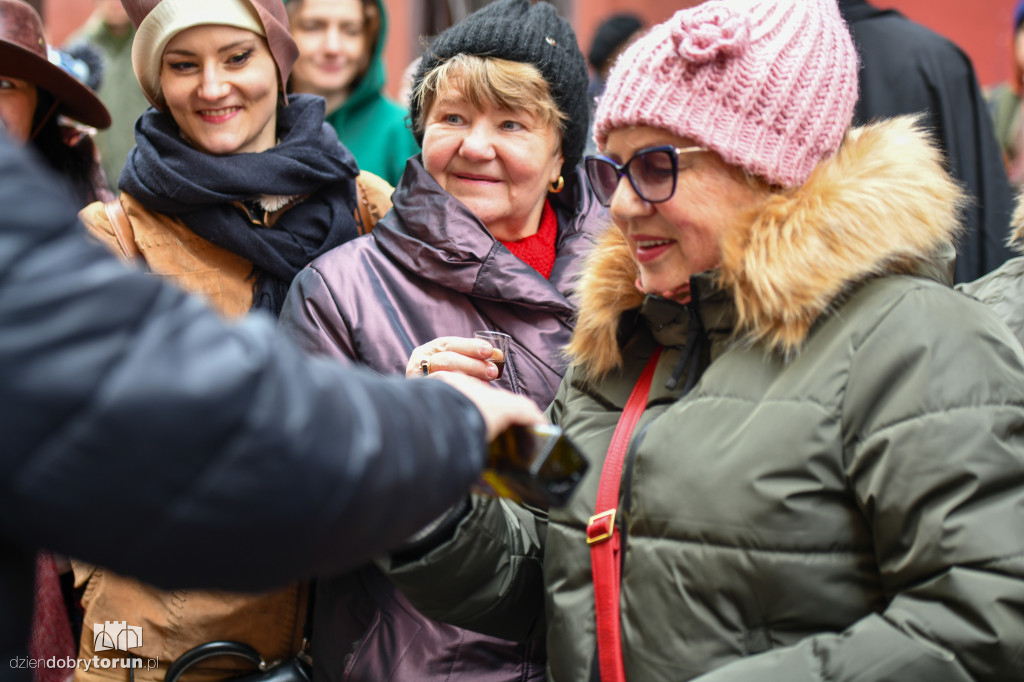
1018	49
334	47
220	86
18	100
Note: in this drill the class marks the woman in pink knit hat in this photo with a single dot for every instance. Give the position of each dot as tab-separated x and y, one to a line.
817	469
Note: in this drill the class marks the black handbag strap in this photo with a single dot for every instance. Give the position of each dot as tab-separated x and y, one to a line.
230	648
306	650
210	650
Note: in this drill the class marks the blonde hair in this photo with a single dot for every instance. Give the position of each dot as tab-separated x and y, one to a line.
490	81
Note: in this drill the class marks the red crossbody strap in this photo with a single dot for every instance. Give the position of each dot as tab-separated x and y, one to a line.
601	536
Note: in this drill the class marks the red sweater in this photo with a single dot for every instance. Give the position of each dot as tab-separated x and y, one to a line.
538	250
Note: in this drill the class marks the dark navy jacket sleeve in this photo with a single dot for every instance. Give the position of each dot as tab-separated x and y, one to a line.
142	433
907	68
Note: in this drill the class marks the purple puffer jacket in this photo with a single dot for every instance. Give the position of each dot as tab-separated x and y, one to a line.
431	269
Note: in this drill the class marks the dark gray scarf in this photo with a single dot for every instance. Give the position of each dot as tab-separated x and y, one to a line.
167	175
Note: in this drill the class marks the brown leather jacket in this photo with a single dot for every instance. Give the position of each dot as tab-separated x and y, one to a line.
173	622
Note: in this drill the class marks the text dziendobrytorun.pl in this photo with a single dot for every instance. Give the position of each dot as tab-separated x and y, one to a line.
71	663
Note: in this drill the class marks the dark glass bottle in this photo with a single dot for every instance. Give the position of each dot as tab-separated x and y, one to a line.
537	465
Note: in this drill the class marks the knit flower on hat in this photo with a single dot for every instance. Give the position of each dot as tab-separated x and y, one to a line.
709	32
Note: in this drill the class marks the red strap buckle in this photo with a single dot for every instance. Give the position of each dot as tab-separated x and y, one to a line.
601	527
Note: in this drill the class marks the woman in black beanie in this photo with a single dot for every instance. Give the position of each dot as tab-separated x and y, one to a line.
487	232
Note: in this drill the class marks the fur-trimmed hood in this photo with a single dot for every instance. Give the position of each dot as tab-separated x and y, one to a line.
882	204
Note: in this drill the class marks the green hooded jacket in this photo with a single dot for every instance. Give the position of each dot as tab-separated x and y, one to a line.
372	126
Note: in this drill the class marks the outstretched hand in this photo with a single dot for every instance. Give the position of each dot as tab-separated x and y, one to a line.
500	408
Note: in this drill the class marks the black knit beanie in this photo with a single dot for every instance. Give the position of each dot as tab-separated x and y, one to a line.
520	32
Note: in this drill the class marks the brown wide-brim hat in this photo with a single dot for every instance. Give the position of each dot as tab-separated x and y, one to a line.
23	56
177	15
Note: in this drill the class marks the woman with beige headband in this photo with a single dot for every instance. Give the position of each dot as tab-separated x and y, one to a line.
232	187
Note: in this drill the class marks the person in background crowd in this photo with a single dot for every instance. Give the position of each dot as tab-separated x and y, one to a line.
109	31
80	60
231	189
614	35
40	107
35	94
1005	105
825	477
408	75
143	433
1002	288
340	47
907	68
487	233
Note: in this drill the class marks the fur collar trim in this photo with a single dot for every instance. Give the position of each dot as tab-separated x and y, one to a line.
882	204
1017	224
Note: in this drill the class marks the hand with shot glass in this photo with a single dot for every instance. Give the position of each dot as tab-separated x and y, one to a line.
483	357
501	343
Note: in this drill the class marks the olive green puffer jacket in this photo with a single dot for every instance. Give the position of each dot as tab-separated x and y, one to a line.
839	497
1003	289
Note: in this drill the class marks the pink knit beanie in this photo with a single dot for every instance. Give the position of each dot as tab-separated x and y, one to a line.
768	84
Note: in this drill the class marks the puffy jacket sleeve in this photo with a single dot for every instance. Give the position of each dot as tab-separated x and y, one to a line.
143	433
934	426
489	576
312	318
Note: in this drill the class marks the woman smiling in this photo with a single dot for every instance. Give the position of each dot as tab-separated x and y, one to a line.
230	112
230	190
231	187
807	452
488	229
341	48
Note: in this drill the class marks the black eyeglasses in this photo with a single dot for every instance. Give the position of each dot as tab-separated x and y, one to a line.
653	176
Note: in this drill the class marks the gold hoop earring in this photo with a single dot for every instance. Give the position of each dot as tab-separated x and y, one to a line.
558	185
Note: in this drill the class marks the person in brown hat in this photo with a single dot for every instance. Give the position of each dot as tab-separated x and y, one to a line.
35	94
231	188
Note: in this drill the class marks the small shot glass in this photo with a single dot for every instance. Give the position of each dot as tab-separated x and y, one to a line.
500	342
